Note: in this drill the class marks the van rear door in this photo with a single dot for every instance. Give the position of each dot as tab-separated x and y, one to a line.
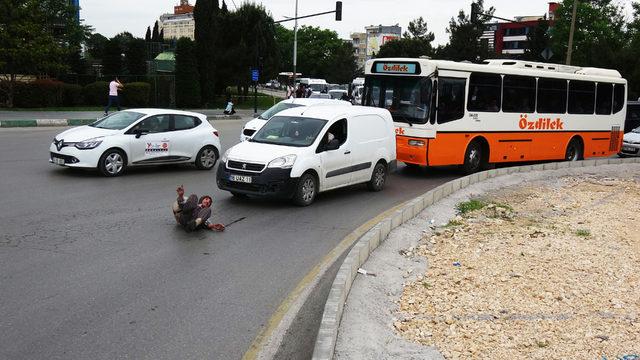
369	136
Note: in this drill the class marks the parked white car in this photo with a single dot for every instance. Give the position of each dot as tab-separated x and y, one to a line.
255	124
138	137
630	143
303	151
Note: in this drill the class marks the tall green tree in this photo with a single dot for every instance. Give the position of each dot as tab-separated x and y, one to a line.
155	35
112	64
632	53
205	15
136	57
96	45
254	44
598	36
418	29
464	36
187	77
147	36
36	38
538	40
405	47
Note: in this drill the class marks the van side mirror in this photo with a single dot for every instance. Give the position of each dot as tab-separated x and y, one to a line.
332	145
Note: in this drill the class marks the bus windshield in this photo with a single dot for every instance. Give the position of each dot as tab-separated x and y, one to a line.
407	98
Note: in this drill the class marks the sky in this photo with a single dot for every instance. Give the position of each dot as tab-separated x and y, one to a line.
114	16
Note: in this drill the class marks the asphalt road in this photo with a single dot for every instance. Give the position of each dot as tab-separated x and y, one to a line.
95	268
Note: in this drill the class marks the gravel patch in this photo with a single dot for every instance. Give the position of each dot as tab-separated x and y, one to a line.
540	265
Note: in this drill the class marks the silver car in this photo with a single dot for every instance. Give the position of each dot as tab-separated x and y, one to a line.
630	143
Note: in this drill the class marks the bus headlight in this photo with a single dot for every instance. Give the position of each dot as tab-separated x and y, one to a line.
416	143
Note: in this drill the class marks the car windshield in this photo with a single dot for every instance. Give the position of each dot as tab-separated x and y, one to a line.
117	121
276	109
289	131
406	98
318	87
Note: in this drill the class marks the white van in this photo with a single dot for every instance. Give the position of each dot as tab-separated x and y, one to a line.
317	85
255	124
303	151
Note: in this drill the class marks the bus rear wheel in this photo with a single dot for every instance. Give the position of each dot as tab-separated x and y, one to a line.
574	151
473	158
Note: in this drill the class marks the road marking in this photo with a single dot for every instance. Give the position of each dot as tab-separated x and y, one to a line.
264	335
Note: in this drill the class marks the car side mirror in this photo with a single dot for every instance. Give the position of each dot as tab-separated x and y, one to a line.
140	132
332	145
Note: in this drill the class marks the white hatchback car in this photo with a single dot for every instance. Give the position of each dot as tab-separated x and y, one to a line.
255	124
138	137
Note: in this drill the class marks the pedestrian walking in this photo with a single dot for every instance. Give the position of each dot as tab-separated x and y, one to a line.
114	86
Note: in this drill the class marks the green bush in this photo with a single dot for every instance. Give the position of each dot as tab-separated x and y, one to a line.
71	95
136	94
96	93
39	93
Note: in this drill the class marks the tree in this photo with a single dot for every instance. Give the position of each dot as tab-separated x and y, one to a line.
155	35
205	15
187	77
37	37
112	58
343	61
96	45
147	36
537	41
161	36
418	29
405	47
136	57
464	36
598	36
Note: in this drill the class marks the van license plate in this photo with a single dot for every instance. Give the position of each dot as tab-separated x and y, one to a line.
240	178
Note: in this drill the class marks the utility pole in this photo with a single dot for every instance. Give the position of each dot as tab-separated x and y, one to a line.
295	47
573	26
337	11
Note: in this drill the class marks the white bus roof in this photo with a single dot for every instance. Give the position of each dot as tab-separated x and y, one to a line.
504	66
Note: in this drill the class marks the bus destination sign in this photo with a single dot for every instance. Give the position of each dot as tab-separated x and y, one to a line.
396	68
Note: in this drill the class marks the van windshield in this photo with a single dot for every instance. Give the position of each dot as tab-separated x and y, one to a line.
289	131
406	98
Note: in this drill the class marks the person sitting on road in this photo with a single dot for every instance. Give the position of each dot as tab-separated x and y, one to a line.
192	213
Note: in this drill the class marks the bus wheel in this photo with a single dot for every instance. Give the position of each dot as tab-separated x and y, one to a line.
574	150
472	158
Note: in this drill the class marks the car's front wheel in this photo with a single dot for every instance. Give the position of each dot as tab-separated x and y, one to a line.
306	190
112	163
206	158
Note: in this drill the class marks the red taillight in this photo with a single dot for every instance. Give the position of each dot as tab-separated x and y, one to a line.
216	133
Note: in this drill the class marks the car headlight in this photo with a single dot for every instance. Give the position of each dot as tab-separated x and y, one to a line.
284	162
225	156
89	144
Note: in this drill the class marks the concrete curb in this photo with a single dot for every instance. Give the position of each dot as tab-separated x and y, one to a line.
328	332
78	122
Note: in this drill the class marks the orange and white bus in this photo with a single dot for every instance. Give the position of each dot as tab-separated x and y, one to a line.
451	113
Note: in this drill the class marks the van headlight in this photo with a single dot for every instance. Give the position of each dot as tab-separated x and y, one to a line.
225	156
89	143
284	162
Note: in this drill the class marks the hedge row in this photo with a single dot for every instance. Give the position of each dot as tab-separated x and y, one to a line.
52	93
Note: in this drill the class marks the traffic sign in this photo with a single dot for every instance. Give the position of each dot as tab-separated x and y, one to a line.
546	54
255	74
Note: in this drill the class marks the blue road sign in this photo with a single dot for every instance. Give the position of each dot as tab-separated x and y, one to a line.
254	74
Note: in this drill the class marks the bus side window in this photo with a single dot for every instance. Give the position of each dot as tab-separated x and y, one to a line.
451	99
484	92
552	96
519	94
582	96
604	98
618	98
